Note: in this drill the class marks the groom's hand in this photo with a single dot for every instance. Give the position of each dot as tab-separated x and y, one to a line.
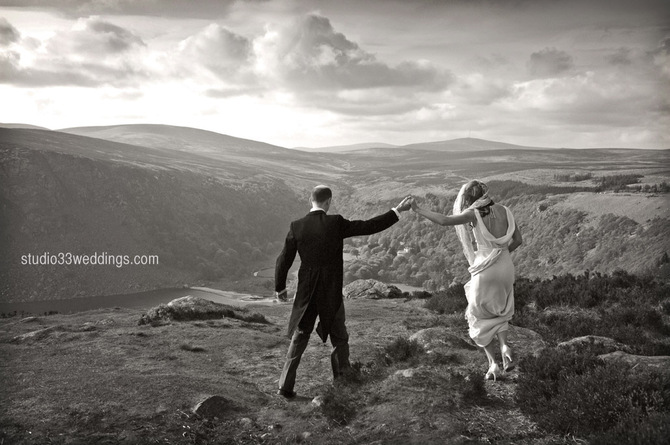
281	296
404	205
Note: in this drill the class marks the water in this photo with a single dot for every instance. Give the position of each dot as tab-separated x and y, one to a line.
138	300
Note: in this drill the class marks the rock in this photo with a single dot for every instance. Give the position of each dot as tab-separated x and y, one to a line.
306	435
371	289
406	373
87	327
247	422
525	341
658	362
440	337
604	343
318	401
214	406
40	334
186	308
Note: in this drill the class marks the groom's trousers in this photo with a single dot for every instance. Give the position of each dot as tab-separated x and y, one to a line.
339	338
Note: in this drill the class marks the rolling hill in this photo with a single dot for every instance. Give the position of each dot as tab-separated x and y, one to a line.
214	208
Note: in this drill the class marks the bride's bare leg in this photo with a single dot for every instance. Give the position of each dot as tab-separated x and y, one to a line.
490	353
506	352
494	370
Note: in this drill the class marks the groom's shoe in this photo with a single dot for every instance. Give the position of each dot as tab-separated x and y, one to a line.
286	394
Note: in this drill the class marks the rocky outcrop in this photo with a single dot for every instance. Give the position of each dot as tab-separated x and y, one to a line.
604	344
196	308
371	289
659	363
525	341
38	335
213	407
440	338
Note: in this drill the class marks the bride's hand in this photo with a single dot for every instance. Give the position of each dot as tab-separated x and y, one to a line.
414	205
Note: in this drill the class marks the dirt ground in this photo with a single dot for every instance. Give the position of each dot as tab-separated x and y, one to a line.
99	377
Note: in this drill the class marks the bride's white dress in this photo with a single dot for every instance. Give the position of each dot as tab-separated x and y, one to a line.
490	291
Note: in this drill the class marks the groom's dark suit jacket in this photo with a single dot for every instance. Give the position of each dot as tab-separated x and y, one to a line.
318	238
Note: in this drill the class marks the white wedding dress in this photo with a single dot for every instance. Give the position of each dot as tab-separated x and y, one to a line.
490	291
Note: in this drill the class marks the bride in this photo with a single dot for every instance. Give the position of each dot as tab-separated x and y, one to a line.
488	234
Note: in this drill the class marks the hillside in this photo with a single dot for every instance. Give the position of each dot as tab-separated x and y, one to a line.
214	208
66	194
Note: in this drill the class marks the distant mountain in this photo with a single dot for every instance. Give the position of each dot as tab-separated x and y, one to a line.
187	139
468	145
346	148
25	126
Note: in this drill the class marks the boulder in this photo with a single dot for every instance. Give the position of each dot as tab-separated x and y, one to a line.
214	406
188	308
525	341
659	363
593	341
440	337
38	335
371	289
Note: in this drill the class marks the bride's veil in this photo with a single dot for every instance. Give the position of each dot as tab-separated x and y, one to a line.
462	230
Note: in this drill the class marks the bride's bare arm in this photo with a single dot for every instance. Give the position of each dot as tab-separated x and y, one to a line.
445	220
516	239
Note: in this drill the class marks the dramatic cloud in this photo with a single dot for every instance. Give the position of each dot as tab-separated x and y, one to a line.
347	71
313	55
94	52
167	8
549	62
94	37
220	50
8	34
326	69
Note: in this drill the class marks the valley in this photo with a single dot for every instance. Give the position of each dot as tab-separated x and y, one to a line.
215	208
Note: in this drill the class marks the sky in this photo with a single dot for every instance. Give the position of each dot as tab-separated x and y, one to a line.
314	73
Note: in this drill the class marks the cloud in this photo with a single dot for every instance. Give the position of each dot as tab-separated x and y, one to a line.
93	52
208	9
8	34
94	37
661	56
324	68
621	57
549	62
220	50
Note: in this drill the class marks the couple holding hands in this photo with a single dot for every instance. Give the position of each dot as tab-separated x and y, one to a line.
486	230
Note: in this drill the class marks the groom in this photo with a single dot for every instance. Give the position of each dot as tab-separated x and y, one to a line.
318	238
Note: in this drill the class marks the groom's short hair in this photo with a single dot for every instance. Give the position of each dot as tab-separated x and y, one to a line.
321	193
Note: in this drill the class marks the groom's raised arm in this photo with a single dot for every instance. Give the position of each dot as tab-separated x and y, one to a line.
376	224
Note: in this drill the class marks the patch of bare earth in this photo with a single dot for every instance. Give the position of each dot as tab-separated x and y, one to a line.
99	377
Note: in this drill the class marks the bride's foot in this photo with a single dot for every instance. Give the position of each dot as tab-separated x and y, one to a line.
494	372
508	359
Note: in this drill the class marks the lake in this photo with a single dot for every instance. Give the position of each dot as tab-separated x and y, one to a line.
138	300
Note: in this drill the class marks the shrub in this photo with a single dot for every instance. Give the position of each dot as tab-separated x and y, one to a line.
402	349
339	405
653	430
568	392
448	301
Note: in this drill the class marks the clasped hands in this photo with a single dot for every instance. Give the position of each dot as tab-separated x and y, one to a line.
407	203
